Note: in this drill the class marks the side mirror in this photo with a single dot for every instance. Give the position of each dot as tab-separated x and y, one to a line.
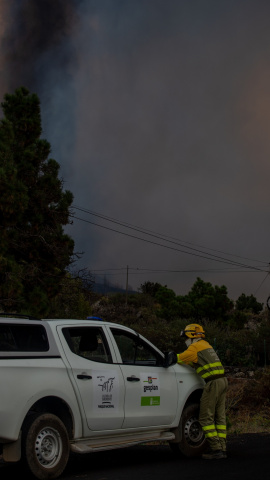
169	359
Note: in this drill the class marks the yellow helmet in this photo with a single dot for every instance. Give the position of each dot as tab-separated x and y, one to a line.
193	331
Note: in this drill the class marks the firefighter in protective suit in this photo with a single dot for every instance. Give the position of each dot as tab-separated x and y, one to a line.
212	417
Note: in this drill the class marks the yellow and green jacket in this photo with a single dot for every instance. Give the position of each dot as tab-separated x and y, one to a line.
201	355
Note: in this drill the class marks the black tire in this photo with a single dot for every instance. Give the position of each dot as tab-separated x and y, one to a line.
193	442
45	445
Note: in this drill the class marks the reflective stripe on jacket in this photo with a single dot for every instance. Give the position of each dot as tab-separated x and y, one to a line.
201	355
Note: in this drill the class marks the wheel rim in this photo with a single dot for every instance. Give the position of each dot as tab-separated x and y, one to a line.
193	431
48	447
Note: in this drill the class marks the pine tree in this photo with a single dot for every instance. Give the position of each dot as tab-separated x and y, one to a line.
34	250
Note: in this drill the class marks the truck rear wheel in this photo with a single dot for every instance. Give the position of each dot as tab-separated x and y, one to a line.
45	445
193	442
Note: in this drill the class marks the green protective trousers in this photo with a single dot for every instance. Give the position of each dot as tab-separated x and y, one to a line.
212	415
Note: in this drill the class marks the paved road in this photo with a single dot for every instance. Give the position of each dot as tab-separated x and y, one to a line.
248	458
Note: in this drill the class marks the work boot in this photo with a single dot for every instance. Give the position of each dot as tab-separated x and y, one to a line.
213	455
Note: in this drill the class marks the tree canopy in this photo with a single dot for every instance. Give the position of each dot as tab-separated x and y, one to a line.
204	301
248	302
34	250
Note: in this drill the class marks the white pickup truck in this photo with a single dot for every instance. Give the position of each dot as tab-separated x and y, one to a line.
89	385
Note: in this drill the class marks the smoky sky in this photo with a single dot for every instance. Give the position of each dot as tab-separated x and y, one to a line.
158	112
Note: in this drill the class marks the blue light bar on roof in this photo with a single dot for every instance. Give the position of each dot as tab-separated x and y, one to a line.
94	318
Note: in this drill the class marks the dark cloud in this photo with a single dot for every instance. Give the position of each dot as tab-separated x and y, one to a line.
158	113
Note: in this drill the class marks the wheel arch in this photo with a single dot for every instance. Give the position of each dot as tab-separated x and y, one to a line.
193	398
56	406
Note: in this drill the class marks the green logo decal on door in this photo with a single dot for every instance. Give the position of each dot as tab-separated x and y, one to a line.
150	401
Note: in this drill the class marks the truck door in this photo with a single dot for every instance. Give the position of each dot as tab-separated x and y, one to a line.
98	382
151	390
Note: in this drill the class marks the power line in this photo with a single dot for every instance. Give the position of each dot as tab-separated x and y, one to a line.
262	283
143	271
209	257
159	235
166	270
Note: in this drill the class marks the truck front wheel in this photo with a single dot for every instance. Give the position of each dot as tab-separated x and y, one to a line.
45	445
192	440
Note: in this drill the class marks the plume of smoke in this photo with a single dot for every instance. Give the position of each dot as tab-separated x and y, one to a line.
31	32
37	52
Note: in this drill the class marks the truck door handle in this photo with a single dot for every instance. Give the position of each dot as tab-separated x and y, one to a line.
133	379
84	377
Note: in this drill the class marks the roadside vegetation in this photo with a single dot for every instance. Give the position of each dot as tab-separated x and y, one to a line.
248	404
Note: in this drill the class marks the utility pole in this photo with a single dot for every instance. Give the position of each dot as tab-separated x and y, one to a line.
127	286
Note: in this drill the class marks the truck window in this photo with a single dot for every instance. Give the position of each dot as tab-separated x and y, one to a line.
134	350
88	342
23	338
